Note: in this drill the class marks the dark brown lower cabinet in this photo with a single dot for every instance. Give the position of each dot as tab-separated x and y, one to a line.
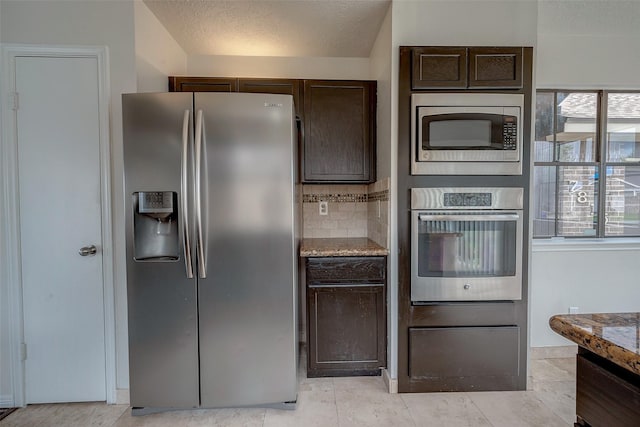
465	358
346	309
607	395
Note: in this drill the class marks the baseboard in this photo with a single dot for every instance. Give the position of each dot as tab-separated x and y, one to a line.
555	352
6	401
122	396
391	383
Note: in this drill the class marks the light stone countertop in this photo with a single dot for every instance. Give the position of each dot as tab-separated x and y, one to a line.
333	247
614	336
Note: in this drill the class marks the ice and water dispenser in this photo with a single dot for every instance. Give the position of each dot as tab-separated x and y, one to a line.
155	226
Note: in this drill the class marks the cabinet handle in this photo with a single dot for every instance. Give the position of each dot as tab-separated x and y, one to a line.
345	285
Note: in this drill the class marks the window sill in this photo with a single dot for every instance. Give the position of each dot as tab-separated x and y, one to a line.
561	244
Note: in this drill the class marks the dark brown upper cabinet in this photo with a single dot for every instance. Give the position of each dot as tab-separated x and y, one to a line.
466	68
202	84
439	67
232	84
495	67
277	86
339	131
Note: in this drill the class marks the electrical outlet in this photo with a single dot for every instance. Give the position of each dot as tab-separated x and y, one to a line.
323	208
574	310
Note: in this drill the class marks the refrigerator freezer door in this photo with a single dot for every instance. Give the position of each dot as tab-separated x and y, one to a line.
162	303
248	342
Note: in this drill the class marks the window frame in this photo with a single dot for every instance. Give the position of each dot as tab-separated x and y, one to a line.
600	164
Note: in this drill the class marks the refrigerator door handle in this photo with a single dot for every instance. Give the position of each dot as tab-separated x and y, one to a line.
184	196
198	199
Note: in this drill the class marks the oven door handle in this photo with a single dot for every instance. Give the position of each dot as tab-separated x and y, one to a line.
444	217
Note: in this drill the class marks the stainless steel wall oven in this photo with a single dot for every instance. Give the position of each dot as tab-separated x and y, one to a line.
466	244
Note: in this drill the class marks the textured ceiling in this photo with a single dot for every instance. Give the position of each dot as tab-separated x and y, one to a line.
323	28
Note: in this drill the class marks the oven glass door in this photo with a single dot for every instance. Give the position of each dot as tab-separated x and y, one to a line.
466	255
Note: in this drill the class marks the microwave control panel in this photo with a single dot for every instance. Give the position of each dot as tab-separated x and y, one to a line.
510	133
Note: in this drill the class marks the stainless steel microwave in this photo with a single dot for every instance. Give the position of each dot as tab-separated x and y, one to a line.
467	133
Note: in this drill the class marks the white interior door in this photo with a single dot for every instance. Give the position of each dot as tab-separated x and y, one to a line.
60	213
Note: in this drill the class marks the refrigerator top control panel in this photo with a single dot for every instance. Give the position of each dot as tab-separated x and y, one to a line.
155	202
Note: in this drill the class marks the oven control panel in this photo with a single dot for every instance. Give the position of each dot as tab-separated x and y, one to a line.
467	199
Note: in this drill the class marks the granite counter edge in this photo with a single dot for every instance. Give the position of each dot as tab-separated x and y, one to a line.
602	347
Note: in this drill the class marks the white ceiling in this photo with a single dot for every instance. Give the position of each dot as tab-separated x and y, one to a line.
322	28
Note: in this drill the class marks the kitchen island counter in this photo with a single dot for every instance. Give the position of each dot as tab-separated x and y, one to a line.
341	247
613	336
608	367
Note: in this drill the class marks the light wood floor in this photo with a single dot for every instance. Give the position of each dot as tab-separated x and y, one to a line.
356	401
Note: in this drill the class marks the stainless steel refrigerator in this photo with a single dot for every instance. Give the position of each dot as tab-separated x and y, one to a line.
212	215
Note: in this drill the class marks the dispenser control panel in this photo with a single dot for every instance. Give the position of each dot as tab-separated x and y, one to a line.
155	202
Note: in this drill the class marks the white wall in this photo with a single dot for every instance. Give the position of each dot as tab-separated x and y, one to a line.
588	45
380	66
101	23
381	70
6	383
158	55
278	67
464	22
594	276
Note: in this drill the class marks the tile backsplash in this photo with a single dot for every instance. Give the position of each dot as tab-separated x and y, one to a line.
353	211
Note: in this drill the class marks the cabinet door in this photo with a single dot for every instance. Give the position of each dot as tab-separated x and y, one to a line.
339	127
495	67
439	67
460	358
606	394
277	86
202	84
346	329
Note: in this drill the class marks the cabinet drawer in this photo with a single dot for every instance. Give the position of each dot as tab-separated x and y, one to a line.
346	269
441	353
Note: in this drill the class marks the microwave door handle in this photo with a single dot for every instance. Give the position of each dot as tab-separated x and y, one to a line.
184	196
471	217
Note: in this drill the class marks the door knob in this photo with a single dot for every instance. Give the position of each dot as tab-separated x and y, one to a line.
88	250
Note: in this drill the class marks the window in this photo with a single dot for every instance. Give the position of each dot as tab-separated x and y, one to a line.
586	177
